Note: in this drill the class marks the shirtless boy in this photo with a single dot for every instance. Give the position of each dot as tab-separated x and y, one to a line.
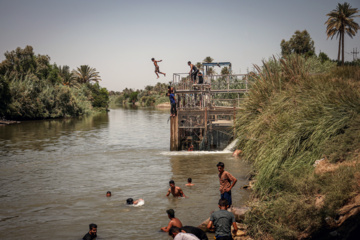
189	184
174	222
157	69
174	190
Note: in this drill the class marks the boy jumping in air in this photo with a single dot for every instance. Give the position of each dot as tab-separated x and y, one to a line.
157	69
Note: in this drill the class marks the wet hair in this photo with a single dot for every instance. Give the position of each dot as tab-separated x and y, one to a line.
171	182
108	192
152	59
220	164
189	180
129	201
92	225
171	213
223	203
174	229
189	62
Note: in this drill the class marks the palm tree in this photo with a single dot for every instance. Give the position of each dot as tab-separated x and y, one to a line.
341	21
86	74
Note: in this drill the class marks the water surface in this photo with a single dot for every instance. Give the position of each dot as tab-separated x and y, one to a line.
55	174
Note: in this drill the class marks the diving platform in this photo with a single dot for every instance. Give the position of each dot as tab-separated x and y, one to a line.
206	112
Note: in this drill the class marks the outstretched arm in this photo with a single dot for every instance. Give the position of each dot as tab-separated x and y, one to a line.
166	229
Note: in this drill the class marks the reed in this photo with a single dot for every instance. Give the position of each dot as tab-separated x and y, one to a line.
292	118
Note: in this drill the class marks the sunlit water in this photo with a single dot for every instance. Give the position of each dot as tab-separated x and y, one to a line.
55	174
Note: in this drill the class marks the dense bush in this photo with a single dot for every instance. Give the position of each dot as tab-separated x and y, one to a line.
299	110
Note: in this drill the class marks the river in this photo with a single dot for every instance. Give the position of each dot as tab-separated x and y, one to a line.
55	174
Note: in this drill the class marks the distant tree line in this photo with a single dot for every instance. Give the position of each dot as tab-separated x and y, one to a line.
33	88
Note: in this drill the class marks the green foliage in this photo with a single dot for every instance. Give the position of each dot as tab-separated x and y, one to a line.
99	95
5	96
292	118
341	21
86	74
299	43
32	88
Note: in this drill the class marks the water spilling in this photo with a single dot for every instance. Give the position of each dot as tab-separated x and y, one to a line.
55	174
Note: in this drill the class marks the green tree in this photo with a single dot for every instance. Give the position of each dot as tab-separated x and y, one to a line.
300	43
5	96
225	70
86	74
208	59
341	21
323	57
100	96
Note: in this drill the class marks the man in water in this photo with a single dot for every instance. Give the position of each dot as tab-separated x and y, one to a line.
222	220
108	194
157	69
174	222
189	184
227	182
174	190
177	234
131	201
92	232
193	71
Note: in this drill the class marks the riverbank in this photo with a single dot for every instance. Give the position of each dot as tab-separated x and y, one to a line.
291	120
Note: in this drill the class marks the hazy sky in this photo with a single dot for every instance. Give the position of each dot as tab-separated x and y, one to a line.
119	37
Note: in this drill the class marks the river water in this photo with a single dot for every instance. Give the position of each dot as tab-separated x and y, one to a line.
55	174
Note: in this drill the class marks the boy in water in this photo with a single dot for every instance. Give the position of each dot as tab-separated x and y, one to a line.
174	190
92	232
227	182
189	184
174	222
157	69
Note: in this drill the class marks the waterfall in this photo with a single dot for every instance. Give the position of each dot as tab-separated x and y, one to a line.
231	146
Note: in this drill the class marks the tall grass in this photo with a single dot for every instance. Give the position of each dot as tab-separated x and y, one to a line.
291	119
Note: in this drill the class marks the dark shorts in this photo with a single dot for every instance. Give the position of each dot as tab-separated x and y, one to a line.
227	196
157	69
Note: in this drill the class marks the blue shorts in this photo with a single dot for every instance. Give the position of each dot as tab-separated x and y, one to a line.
227	196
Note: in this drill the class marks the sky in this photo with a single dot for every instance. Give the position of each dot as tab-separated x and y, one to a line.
119	37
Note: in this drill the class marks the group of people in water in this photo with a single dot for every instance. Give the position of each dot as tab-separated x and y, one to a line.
221	221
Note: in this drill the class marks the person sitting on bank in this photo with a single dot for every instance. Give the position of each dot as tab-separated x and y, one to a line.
131	201
177	234
174	222
222	220
92	232
189	184
174	190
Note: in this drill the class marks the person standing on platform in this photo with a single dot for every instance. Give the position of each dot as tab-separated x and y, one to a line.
193	71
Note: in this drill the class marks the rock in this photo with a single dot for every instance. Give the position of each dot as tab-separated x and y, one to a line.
203	225
239	213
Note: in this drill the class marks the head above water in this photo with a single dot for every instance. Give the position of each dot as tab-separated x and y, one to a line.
92	228
172	183
171	213
189	180
129	201
108	194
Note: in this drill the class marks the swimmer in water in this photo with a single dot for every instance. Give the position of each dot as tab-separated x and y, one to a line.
174	222
189	184
131	201
174	190
108	194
